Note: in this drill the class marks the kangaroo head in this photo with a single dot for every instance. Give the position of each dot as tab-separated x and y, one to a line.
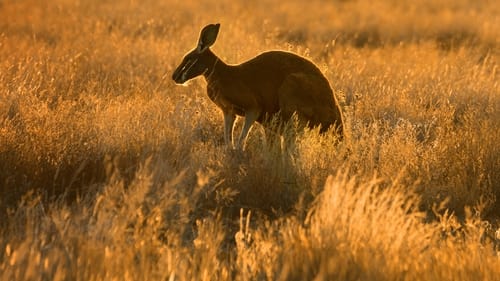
197	62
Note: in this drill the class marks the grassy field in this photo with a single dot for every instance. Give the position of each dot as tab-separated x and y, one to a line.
110	171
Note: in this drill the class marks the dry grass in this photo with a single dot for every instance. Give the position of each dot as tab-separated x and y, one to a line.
110	171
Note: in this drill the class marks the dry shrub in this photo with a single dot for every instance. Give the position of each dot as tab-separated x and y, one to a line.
361	231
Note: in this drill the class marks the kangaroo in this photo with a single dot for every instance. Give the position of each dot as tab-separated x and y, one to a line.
275	83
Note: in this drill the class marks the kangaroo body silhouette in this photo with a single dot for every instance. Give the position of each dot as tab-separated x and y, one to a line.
274	83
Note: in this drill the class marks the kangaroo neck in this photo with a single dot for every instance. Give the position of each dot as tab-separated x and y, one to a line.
215	64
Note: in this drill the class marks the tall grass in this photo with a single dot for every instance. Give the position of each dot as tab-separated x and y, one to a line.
110	171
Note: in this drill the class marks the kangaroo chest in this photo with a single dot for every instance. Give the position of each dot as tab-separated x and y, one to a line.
229	100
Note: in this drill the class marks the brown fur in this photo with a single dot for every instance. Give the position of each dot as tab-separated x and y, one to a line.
273	83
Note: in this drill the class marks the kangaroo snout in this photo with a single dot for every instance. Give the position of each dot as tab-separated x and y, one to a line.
176	77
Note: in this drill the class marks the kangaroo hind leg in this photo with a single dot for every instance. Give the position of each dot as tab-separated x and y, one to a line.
293	99
311	98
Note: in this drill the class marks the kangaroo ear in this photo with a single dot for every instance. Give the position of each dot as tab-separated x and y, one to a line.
207	37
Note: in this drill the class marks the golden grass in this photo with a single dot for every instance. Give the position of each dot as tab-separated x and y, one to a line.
110	171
